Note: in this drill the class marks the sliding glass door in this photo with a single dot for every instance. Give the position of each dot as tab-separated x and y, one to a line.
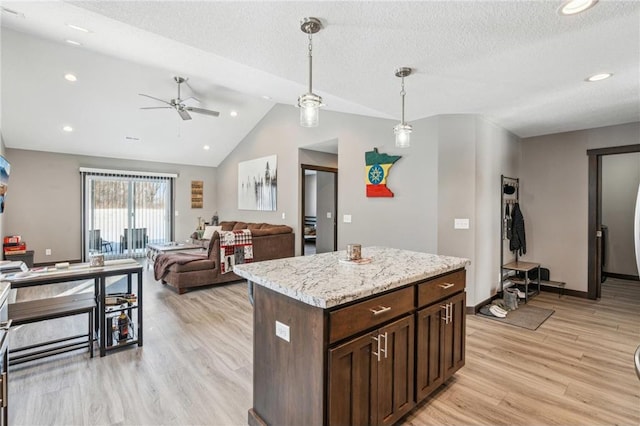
124	213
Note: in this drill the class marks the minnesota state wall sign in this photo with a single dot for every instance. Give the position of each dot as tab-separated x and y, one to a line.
376	171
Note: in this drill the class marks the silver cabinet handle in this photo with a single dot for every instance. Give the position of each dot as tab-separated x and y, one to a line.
380	350
382	310
446	285
385	343
377	354
447	312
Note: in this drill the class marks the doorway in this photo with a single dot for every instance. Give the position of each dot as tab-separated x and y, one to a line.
596	241
319	201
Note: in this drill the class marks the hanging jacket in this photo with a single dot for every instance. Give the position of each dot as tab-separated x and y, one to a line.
507	222
518	242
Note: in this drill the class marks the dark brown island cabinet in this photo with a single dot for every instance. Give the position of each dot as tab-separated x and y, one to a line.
367	362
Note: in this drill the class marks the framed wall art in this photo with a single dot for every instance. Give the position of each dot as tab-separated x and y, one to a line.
258	184
197	194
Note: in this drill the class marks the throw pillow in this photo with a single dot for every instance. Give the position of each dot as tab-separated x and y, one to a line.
209	230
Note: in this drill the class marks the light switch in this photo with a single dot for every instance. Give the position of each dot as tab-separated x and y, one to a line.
460	223
347	218
282	331
284	216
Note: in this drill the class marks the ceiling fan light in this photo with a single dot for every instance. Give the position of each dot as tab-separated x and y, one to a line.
309	104
403	135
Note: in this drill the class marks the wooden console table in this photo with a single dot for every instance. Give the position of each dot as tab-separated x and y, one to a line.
99	274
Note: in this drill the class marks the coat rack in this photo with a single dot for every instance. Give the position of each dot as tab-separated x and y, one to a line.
509	196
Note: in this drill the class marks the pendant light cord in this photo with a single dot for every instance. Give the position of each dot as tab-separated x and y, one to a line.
402	93
310	64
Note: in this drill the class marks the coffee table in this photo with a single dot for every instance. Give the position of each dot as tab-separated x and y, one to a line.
153	250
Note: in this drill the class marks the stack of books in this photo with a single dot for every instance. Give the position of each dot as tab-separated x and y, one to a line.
14	245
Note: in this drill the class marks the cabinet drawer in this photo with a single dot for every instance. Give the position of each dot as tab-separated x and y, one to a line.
441	287
353	319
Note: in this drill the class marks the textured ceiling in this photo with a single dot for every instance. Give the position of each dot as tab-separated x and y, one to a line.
517	63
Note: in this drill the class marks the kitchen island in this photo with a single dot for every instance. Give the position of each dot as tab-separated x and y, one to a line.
339	342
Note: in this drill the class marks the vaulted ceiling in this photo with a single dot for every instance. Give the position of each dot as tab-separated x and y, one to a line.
519	64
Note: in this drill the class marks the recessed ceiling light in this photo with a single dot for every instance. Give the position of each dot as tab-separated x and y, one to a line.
75	27
67	129
131	139
599	77
206	147
572	7
75	43
267	97
70	77
233	113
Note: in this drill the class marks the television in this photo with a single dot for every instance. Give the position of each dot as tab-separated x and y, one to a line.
5	171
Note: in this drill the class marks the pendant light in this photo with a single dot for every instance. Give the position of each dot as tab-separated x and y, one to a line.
309	102
403	130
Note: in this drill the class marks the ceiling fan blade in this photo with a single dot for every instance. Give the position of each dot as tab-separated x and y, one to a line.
156	107
147	96
203	111
184	114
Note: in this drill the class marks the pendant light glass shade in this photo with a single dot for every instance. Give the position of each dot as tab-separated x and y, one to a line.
309	109
403	130
403	135
310	103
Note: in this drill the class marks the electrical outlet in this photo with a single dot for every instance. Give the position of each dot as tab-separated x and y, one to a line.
461	224
47	252
347	218
282	331
284	216
328	215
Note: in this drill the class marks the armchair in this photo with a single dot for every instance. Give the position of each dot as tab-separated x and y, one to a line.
139	239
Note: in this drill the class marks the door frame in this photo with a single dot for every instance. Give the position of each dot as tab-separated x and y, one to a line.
304	168
594	255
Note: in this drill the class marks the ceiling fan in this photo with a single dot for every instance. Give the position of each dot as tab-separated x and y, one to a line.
179	104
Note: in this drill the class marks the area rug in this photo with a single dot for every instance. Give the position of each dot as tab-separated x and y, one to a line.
526	316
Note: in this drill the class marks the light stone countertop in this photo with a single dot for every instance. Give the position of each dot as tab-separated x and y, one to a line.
5	287
324	281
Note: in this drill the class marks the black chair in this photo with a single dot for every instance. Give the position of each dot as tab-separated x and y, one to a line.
139	239
95	241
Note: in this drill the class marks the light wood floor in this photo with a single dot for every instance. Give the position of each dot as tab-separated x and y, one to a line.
196	366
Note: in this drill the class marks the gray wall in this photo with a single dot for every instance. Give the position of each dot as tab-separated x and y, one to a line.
620	180
45	202
554	194
472	154
407	221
